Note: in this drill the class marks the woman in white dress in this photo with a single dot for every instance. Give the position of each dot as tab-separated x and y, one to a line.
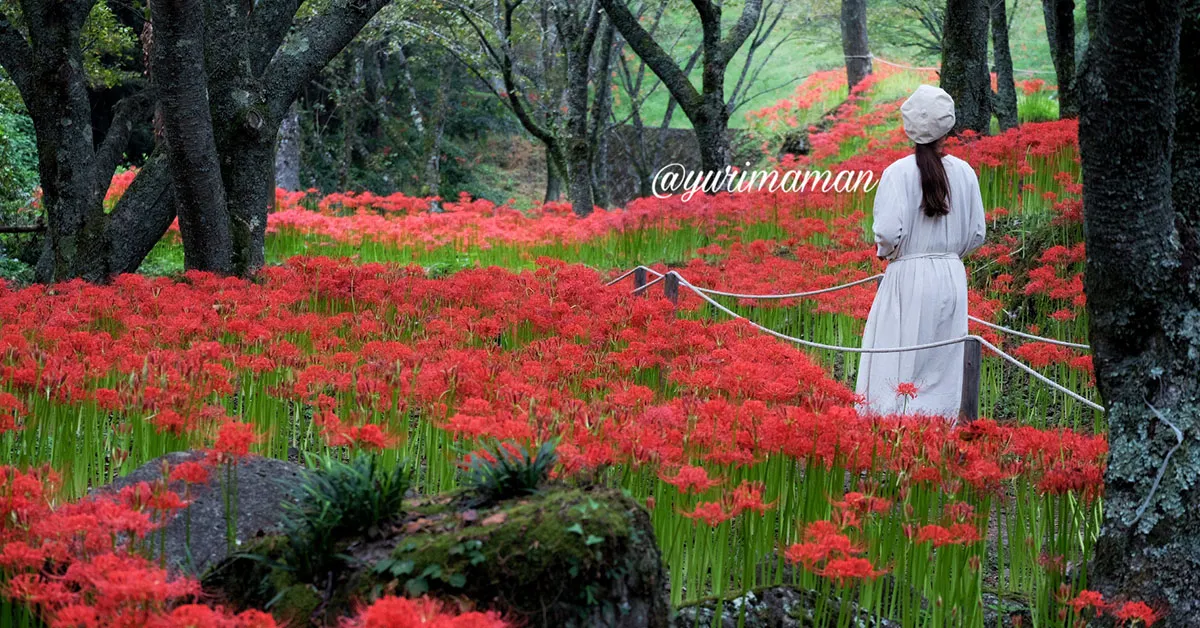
928	215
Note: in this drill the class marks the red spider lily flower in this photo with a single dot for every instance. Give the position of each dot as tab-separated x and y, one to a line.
712	513
234	440
906	389
749	496
189	472
846	569
1088	599
1137	613
690	479
397	612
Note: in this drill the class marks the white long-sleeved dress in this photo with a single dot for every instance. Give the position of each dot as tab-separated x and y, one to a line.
923	295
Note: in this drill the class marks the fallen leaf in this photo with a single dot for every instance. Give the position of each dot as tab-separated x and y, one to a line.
470	516
495	519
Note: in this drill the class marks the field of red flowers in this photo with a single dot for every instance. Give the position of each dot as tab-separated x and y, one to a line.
386	329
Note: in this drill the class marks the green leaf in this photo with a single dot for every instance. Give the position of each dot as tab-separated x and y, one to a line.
593	539
577	529
457	580
416	587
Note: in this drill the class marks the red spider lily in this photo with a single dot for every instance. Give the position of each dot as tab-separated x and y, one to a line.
690	479
397	612
906	389
1137	613
712	513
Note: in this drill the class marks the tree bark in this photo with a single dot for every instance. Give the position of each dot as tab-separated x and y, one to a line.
578	34
706	108
553	178
601	113
965	73
287	153
1005	101
177	62
854	41
1060	31
1140	210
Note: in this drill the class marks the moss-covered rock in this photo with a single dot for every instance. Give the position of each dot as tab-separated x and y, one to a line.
565	557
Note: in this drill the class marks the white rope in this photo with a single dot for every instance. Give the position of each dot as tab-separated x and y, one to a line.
634	270
792	295
931	345
1022	334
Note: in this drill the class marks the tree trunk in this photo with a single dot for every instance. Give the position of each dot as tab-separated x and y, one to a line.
1060	31
1144	297
553	178
601	112
177	59
854	41
579	40
965	73
287	154
1005	102
706	109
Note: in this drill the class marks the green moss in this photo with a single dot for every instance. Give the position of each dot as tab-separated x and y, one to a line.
563	558
560	552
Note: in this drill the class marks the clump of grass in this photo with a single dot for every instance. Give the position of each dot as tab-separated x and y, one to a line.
340	500
504	470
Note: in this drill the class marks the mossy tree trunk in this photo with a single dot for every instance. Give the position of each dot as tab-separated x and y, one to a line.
965	73
1139	142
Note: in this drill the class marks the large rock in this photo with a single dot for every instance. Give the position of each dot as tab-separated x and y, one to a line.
263	486
567	557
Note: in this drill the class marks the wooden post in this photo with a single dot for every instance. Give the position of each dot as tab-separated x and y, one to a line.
639	281
969	408
671	287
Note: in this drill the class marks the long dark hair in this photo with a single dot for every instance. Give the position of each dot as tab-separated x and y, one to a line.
935	186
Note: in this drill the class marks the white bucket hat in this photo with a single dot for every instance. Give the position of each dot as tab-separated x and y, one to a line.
928	114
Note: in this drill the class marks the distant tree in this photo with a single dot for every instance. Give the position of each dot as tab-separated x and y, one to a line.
706	108
965	63
854	41
1139	137
1004	101
1060	31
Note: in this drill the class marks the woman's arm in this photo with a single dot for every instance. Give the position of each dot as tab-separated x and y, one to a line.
888	212
978	227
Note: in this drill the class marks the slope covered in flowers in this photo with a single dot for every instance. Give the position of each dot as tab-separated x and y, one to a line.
746	450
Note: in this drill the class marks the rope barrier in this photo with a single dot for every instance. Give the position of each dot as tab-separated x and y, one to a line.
792	295
634	270
930	345
704	293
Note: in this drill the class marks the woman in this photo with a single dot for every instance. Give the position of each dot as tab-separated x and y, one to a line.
928	215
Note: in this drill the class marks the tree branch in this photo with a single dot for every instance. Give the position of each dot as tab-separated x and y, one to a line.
16	57
270	22
648	49
742	29
317	44
112	148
